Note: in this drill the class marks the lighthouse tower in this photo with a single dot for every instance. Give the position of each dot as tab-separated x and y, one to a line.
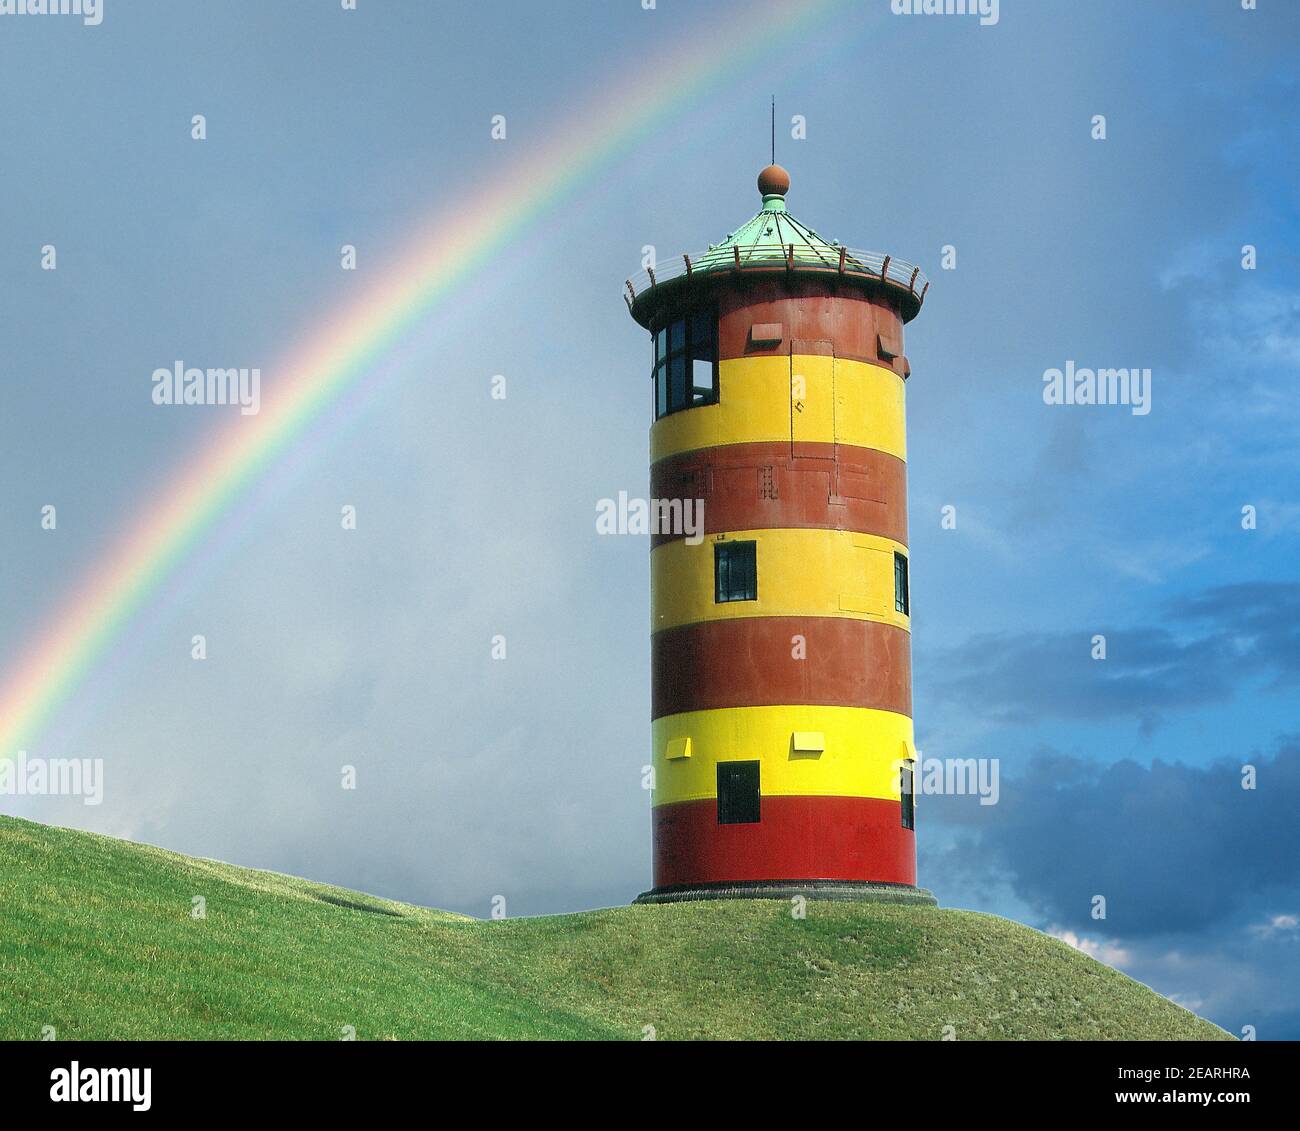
781	639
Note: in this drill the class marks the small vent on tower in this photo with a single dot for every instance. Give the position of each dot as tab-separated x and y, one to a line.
807	742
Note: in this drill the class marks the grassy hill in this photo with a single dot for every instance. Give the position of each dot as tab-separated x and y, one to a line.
97	939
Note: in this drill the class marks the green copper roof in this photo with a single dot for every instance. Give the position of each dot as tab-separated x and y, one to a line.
772	234
770	243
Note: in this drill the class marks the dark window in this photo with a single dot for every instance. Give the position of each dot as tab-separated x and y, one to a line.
735	572
902	602
738	797
686	363
908	797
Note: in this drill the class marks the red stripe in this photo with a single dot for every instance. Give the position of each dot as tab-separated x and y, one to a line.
779	484
750	662
808	310
798	838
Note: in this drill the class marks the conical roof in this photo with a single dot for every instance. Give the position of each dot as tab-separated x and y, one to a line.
774	241
773	233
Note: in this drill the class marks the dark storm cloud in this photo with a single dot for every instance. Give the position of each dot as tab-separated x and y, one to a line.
1171	847
1203	648
1258	625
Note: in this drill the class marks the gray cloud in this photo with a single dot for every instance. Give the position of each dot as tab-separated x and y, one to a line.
1204	648
1171	847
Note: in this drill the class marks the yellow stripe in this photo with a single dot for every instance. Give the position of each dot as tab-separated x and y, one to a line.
815	572
806	398
862	750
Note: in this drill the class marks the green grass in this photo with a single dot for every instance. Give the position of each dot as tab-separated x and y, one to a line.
97	940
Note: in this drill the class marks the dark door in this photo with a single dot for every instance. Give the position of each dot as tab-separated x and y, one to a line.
738	797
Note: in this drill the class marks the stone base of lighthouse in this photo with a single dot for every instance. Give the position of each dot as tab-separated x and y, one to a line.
838	890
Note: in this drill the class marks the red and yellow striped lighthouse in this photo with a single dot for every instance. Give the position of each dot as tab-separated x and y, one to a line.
781	658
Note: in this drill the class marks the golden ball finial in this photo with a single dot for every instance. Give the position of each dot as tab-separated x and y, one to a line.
774	181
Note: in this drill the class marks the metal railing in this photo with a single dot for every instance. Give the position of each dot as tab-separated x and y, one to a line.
792	257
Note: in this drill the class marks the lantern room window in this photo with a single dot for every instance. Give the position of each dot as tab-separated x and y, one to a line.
686	363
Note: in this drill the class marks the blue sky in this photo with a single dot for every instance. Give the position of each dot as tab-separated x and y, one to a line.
371	648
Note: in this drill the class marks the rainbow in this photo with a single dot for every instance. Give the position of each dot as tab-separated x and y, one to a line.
327	363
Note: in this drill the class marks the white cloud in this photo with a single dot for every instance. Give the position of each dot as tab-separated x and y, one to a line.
1111	953
1278	926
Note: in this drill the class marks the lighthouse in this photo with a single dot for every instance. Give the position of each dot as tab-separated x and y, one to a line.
781	701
